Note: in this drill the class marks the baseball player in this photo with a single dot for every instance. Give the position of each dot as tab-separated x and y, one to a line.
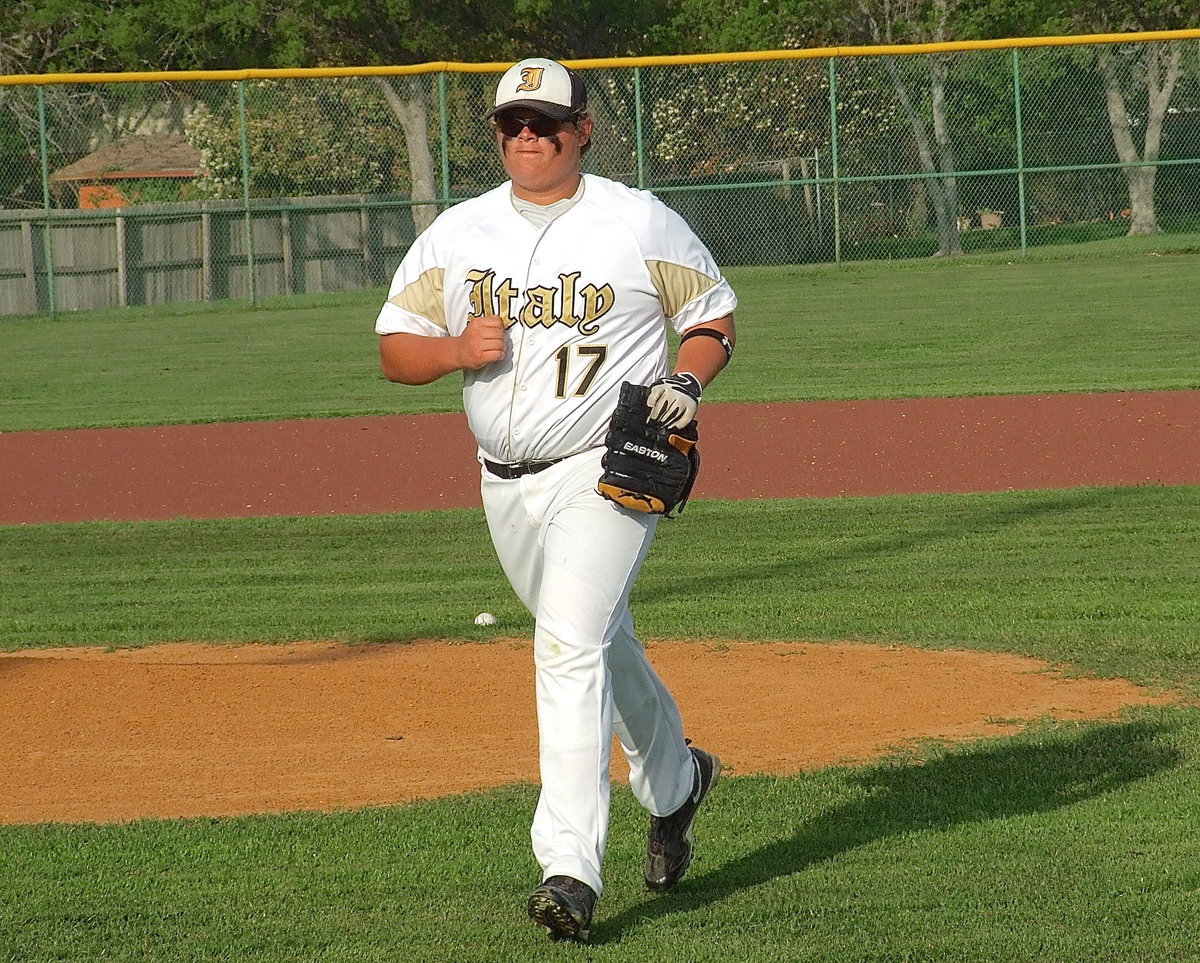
546	293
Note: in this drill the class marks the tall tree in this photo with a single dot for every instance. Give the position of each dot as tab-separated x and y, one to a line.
1144	73
113	36
921	21
1155	68
724	25
124	35
721	26
1139	78
383	32
39	37
367	32
119	35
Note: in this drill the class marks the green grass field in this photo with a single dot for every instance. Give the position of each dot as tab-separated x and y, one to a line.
1068	842
1124	318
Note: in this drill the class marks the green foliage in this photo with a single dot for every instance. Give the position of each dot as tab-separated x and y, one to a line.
1126	16
471	147
18	167
400	31
158	190
587	28
991	19
304	139
710	26
101	35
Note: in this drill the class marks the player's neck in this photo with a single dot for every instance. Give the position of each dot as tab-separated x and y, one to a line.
550	194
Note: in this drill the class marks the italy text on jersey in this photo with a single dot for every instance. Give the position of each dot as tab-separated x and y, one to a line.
569	303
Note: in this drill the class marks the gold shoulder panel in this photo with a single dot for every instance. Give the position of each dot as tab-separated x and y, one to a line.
424	297
677	284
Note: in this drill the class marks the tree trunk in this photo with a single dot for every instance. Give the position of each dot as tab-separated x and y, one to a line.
1143	220
918	208
947	215
410	111
1162	67
942	191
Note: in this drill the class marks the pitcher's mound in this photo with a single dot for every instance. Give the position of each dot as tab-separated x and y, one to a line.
191	730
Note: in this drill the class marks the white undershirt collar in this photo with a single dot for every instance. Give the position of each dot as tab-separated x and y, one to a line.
539	215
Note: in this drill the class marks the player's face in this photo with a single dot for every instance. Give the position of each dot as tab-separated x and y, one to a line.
543	162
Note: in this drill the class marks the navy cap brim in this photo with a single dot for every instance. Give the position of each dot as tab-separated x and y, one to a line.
557	111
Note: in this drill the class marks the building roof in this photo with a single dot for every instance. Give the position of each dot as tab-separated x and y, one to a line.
169	155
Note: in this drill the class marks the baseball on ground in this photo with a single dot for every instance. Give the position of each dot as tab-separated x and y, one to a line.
485	618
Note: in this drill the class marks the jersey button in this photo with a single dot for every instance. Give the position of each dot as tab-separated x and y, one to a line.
524	387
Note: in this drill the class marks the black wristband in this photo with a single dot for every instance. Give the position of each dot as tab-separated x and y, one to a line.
711	333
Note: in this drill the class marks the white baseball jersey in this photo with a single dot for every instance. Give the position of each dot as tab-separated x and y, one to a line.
584	299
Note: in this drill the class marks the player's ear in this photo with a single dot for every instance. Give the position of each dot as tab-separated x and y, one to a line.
584	126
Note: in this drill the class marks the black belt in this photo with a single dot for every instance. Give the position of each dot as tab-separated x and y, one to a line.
519	469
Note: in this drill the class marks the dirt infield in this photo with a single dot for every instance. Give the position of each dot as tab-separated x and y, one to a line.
217	730
398	463
220	730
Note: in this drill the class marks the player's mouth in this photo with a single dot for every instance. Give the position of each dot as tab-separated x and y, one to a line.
532	147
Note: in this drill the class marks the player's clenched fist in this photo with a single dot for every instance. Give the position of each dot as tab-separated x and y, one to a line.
481	342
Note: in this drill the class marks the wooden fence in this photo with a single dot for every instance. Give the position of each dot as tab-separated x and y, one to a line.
170	253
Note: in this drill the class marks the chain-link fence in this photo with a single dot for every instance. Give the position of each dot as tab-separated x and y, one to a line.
161	188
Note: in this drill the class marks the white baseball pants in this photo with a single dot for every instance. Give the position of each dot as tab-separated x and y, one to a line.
572	558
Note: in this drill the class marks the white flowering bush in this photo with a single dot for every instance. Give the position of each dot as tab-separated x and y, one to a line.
727	118
304	138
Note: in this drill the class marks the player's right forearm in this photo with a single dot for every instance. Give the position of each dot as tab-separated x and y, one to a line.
414	359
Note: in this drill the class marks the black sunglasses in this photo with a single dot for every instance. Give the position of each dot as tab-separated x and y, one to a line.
512	124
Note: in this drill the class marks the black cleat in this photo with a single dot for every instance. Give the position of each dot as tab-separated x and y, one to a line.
669	850
563	906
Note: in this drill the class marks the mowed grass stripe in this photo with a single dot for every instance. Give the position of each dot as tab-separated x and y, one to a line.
1102	579
1069	842
1121	318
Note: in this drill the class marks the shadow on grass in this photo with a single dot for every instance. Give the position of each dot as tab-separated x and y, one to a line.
964	786
912	534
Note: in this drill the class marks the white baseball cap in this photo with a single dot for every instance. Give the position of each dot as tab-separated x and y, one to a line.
542	85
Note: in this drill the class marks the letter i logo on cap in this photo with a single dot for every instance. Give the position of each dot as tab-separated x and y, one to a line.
531	78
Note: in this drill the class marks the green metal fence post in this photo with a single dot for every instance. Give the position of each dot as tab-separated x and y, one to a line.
48	230
444	128
834	160
249	226
637	121
1016	68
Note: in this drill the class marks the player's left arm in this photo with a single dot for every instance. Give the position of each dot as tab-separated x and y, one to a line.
692	291
704	350
703	355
